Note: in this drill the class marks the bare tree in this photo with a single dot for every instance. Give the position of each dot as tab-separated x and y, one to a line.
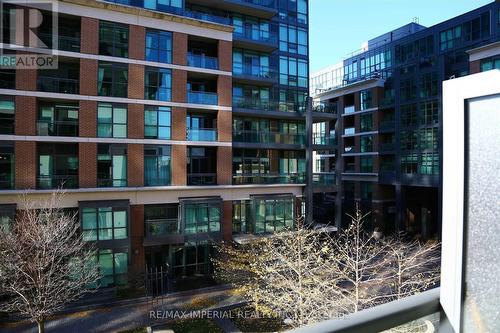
286	274
44	261
310	276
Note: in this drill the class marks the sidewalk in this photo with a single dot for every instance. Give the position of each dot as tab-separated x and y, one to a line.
126	314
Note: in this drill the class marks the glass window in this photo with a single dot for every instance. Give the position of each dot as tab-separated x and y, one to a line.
6	166
157	122
104	223
58	120
430	164
409	163
273	215
366	144
202	217
366	99
112	79
366	163
7	124
111	120
113	39
111	165
157	169
57	165
159	46
158	84
366	122
113	266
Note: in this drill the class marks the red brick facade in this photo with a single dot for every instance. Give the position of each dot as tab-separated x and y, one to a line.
180	42
89	41
224	165
26	165
135	81
135	165
88	77
135	121
178	123
179	85
227	220
26	115
87	119
136	238
87	164
137	34
225	90
225	56
179	169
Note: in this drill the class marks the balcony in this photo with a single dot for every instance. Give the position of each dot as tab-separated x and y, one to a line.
202	179
253	103
200	97
255	74
269	178
269	137
57	181
202	61
326	107
57	128
324	140
324	179
349	109
58	85
207	17
161	227
349	131
201	134
250	36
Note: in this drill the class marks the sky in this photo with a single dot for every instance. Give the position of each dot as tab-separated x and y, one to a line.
339	27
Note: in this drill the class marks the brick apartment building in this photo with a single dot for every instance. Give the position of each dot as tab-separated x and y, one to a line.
170	125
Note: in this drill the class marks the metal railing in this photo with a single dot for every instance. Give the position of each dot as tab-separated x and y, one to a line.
200	97
57	128
382	317
202	61
207	17
58	85
324	179
326	107
161	227
57	181
201	179
107	182
270	178
256	71
201	134
324	139
269	137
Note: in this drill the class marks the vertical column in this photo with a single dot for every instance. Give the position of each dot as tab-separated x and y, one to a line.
224	165
225	90
136	81
87	164
89	40
225	126
225	55
135	121
179	123
135	165
87	119
179	165
137	47
26	79
25	165
26	115
227	220
180	47
88	77
179	85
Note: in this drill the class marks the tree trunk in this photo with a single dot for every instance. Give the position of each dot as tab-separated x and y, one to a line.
41	326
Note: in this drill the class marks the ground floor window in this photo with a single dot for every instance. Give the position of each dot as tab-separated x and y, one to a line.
242	216
113	266
273	215
202	217
191	259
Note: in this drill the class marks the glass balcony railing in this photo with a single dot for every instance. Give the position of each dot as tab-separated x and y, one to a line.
207	17
257	71
324	179
202	61
269	137
200	97
57	181
57	128
58	85
202	179
257	35
161	227
270	178
201	134
263	3
349	131
349	109
253	103
324	139
326	107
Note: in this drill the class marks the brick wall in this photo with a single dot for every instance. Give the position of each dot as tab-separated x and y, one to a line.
135	165
89	40
180	46
179	170
26	165
135	121
224	165
138	263
87	119
25	115
137	47
88	77
26	79
225	56
87	164
178	123
225	90
225	126
475	66
227	220
135	81
179	85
